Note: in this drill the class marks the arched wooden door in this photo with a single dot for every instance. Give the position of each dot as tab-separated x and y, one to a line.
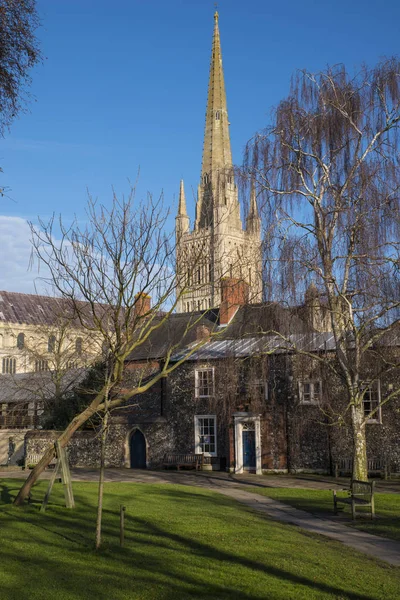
138	450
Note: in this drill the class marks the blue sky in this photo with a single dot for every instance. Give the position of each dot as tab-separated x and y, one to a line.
124	87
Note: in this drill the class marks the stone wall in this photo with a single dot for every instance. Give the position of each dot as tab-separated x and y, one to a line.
84	447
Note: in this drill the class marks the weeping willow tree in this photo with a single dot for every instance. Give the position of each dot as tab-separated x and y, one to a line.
327	176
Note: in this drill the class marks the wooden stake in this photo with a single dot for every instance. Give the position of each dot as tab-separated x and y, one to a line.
49	489
65	476
121	525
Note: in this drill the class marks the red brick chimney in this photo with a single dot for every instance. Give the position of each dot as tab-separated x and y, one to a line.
142	304
234	293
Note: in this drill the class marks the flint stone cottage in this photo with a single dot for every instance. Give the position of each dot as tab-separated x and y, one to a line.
244	399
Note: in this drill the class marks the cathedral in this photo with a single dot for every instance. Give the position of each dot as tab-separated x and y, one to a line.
219	246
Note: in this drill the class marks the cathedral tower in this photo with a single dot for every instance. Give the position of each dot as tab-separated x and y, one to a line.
218	246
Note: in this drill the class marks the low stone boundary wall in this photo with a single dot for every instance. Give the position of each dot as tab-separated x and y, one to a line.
82	451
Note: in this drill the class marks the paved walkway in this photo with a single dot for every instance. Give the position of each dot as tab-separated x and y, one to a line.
224	483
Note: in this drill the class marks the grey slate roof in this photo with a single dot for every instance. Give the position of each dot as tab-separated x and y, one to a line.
30	309
179	330
26	387
33	309
262	344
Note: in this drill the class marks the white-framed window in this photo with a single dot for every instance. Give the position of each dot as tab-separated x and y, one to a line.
9	365
205	434
204	383
310	392
372	402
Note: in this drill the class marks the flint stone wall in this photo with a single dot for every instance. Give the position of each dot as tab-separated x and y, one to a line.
84	448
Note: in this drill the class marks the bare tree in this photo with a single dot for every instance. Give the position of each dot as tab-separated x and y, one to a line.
106	273
19	52
327	173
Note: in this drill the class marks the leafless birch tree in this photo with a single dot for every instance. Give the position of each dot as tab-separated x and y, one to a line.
327	174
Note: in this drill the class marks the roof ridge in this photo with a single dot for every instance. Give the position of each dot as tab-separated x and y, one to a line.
33	295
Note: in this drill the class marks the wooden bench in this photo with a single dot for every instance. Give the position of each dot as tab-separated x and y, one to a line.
376	466
190	461
31	460
361	493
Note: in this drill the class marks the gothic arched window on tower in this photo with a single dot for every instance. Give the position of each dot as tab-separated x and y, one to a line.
217	115
51	343
78	345
20	341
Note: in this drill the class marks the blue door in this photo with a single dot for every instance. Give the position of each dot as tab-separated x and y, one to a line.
138	450
249	449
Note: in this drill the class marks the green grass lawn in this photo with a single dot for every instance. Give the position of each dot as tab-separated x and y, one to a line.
181	542
387	508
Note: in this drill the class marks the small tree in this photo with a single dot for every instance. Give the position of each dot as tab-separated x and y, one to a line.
327	173
105	273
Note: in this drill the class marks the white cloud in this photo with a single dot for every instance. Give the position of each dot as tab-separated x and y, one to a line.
15	253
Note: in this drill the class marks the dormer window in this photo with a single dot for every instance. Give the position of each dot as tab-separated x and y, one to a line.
205	178
217	115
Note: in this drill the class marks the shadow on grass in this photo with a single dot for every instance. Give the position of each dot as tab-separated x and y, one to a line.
155	558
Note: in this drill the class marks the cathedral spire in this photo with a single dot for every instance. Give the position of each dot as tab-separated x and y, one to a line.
217	148
253	224
182	212
182	224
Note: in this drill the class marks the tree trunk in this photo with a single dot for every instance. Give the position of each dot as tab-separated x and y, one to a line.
360	463
101	480
50	452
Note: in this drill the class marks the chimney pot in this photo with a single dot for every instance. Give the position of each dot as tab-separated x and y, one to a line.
142	304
